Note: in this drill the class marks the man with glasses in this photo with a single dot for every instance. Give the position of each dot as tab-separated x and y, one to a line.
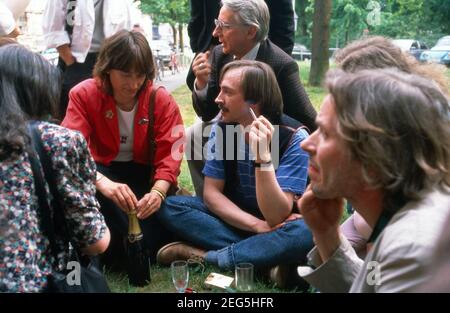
203	12
242	27
201	27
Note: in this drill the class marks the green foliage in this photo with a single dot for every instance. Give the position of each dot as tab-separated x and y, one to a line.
304	10
425	20
416	19
167	11
348	19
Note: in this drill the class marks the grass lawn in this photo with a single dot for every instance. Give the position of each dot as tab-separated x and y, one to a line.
161	280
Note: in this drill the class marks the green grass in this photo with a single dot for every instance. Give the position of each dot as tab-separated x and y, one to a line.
182	96
161	282
316	94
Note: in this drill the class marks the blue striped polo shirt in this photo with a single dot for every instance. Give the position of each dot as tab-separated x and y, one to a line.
291	174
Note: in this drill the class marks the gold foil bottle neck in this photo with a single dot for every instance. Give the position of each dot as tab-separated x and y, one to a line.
134	229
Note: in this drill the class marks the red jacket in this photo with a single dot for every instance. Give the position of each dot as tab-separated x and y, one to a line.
92	112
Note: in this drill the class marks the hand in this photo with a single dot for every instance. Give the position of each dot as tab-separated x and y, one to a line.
149	204
260	136
321	215
292	217
15	33
201	68
65	53
69	60
119	193
262	227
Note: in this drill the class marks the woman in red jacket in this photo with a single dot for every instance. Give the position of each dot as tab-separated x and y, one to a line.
112	112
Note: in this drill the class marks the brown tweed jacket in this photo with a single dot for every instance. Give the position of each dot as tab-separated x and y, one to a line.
295	100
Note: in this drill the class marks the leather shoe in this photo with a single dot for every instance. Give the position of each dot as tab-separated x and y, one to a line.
179	251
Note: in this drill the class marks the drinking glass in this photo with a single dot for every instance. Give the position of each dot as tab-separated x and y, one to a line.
180	275
244	276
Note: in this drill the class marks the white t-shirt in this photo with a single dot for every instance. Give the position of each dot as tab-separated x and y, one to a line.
126	135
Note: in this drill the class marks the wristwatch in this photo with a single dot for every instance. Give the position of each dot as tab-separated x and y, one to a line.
262	164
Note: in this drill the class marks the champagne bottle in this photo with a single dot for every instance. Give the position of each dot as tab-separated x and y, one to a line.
137	257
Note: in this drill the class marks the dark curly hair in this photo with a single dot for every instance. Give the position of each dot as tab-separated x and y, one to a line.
29	89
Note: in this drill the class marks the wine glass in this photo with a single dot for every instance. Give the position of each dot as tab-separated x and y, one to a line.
180	275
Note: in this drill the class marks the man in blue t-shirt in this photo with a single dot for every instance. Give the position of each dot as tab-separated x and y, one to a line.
248	212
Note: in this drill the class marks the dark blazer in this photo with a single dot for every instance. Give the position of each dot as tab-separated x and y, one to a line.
203	13
201	24
282	24
295	100
201	27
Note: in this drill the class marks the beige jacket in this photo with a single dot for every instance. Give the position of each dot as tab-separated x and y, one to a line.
399	258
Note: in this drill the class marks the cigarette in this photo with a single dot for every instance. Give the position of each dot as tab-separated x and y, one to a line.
253	114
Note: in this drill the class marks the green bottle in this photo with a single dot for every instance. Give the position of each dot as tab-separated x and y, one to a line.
138	262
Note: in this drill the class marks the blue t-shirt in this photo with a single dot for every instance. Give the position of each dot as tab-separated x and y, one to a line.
291	173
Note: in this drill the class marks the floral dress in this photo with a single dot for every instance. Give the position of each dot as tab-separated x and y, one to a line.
25	256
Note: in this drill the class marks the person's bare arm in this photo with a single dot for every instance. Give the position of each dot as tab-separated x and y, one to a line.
65	53
224	208
100	246
275	204
14	33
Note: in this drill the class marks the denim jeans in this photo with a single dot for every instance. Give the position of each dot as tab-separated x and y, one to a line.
190	219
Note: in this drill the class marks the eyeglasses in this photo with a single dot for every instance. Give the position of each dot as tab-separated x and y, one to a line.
223	25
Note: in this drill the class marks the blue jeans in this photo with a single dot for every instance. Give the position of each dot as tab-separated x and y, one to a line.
190	219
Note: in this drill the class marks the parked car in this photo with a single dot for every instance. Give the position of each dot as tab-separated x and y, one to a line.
440	53
300	52
411	46
161	49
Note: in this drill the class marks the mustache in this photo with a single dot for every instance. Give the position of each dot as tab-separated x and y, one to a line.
222	107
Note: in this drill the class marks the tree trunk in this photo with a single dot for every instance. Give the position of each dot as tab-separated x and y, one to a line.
180	34
320	41
174	32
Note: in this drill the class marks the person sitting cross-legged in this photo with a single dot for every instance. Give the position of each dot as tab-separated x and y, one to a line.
247	214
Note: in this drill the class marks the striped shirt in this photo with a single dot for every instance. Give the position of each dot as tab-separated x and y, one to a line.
291	174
